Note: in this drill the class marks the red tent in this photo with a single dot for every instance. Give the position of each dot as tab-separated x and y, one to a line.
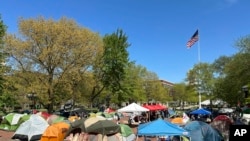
223	118
150	107
154	107
160	107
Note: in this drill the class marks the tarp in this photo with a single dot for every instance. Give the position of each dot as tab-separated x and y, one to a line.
201	131
200	111
31	129
160	127
133	107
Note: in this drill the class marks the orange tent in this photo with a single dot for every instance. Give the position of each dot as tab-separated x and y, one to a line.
177	120
55	132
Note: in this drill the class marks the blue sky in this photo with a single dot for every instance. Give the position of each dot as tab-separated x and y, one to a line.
157	30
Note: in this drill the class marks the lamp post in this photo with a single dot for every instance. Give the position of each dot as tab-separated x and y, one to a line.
32	97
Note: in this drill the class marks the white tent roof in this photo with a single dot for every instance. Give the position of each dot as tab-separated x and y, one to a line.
133	107
214	102
33	128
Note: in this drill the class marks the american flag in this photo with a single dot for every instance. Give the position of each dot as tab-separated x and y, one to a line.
193	39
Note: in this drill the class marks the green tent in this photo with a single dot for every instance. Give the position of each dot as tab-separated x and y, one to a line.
58	119
12	121
126	130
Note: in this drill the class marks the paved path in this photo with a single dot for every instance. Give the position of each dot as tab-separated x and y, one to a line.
6	135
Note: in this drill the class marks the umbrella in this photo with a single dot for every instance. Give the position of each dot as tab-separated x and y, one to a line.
100	126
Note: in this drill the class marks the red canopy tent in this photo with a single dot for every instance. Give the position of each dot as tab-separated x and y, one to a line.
160	107
150	107
154	107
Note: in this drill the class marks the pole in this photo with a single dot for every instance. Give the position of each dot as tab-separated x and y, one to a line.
199	59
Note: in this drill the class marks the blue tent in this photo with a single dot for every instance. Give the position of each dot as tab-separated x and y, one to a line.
160	127
201	131
200	111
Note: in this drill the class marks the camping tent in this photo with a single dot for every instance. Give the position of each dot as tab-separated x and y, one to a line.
127	133
201	131
32	129
55	132
177	120
222	124
133	107
100	125
160	127
12	121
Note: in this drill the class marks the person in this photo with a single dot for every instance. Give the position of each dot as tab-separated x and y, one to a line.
192	117
117	118
131	118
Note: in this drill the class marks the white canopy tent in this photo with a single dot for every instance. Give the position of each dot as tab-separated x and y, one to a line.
133	107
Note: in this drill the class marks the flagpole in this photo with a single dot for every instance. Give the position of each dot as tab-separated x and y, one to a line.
199	59
195	38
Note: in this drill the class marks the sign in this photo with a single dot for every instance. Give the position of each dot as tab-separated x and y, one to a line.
239	132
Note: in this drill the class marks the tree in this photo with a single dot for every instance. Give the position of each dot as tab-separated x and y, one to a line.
58	52
115	59
3	95
201	78
2	54
132	85
237	74
234	73
219	65
110	69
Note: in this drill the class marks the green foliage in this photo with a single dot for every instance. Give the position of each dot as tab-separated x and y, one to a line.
115	60
53	57
233	73
219	65
3	96
2	55
201	78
